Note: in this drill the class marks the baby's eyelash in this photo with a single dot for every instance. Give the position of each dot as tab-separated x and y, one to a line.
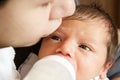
54	37
45	4
84	47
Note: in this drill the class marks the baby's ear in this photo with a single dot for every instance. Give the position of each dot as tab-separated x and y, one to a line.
103	73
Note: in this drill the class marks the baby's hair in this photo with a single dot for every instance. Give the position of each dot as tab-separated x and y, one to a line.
93	12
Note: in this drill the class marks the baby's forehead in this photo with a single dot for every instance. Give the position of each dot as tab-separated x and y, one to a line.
93	24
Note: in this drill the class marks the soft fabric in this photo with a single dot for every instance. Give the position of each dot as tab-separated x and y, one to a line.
7	67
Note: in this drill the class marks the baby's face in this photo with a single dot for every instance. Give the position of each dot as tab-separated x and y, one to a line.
82	43
24	22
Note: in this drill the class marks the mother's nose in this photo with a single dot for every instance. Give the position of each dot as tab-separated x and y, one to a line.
62	8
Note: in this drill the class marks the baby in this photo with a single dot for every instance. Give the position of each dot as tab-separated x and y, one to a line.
87	39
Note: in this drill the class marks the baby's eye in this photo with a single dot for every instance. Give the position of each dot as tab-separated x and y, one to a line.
84	47
46	3
55	38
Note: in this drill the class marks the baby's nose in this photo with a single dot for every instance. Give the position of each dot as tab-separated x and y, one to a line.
63	52
66	49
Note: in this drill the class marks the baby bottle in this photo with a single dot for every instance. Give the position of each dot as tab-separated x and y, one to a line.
52	68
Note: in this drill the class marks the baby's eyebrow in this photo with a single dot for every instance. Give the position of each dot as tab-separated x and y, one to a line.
61	30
